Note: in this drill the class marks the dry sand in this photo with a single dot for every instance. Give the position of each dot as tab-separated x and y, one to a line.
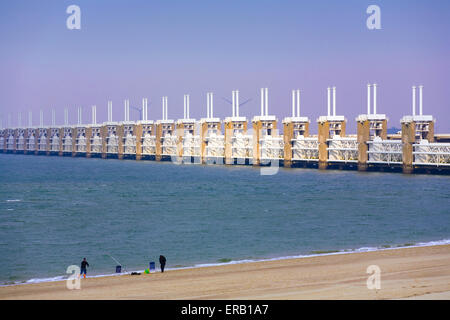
421	272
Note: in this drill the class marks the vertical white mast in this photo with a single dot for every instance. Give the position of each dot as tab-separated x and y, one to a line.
413	100
237	103
266	99
298	103
53	118
211	104
30	119
420	100
262	101
293	103
208	107
144	109
374	98
368	98
79	116
94	115
334	101
109	111
329	101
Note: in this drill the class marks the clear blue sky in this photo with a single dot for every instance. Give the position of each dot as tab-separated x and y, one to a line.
134	49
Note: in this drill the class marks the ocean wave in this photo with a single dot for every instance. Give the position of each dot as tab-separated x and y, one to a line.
204	265
13	200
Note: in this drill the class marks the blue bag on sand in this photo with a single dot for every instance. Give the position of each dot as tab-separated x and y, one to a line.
152	267
118	269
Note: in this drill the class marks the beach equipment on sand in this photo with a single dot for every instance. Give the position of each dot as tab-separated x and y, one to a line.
119	265
152	267
146	271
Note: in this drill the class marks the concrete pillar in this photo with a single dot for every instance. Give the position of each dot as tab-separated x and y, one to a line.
104	135
363	136
158	151
408	139
74	141
137	132
25	141
119	133
48	145
61	137
430	134
257	126
228	132
37	137
288	135
180	135
323	136
88	141
383	133
3	146
203	136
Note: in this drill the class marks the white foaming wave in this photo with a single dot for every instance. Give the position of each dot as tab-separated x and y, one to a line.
52	279
13	200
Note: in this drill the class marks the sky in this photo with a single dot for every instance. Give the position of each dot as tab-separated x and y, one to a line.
134	49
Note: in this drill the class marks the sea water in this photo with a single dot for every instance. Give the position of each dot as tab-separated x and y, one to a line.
55	211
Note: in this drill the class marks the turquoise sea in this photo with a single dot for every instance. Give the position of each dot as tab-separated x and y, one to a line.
54	211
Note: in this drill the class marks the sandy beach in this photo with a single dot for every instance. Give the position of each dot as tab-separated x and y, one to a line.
413	273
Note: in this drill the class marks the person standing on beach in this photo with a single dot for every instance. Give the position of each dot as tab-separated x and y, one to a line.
162	261
84	263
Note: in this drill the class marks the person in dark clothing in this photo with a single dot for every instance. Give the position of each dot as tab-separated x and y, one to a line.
84	263
162	261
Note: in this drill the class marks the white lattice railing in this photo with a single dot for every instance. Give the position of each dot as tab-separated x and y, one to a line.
42	143
129	144
67	144
432	153
96	144
342	149
31	144
216	145
191	146
271	147
169	145
385	151
148	144
242	146
305	148
112	144
10	143
81	144
20	143
54	145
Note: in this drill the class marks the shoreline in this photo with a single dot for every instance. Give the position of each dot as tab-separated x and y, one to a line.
234	262
420	271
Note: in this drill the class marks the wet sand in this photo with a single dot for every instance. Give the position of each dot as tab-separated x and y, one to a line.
416	272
